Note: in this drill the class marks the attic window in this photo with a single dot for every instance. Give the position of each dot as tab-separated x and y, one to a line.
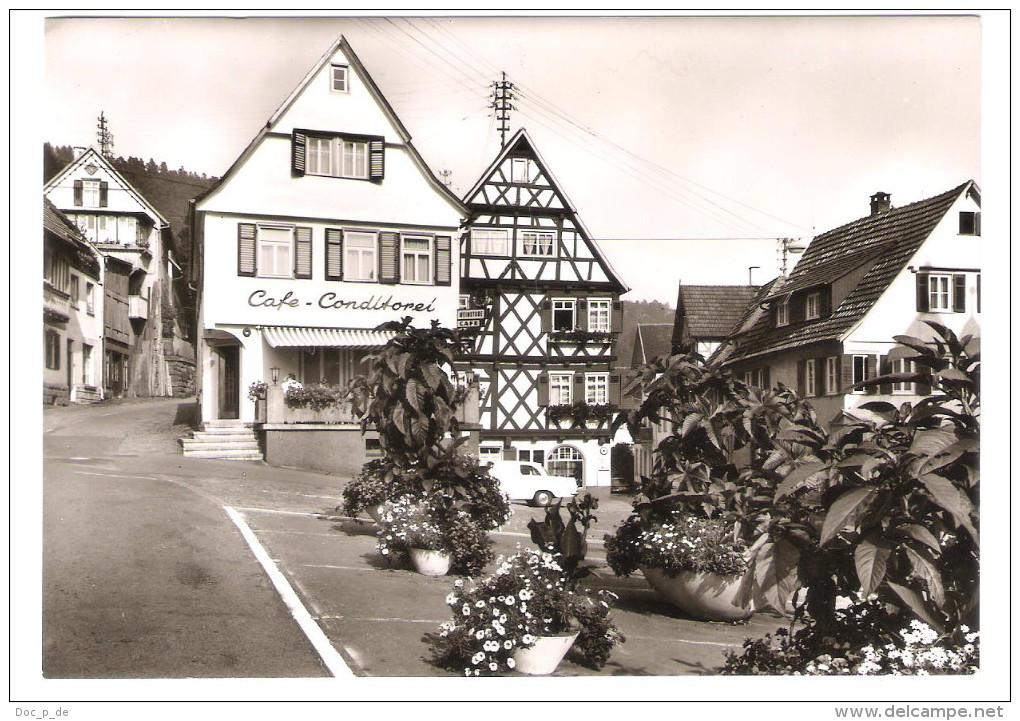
812	306
338	78
783	313
520	170
970	223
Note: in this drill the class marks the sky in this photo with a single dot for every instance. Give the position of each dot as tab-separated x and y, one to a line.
690	143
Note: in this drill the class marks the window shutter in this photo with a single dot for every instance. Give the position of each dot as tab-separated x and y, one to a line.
334	253
376	159
766	378
922	292
546	315
978	292
298	148
104	193
825	302
246	249
959	293
871	372
977	223
846	372
885	367
389	261
923	388
443	260
78	193
614	389
801	384
543	389
581	318
616	318
578	394
303	253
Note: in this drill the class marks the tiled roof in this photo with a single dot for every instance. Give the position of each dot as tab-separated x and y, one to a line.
653	340
747	319
886	240
59	224
711	311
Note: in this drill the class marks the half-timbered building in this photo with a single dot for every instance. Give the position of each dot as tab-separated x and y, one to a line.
540	304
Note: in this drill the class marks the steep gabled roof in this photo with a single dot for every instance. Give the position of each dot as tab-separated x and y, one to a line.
711	311
60	225
522	141
653	341
886	240
93	155
359	67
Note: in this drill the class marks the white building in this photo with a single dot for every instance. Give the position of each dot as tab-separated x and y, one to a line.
327	225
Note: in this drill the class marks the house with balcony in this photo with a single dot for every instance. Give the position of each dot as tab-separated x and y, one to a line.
329	224
72	312
133	238
832	322
540	309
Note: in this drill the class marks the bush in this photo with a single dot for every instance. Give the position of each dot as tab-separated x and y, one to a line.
373	486
684	543
434	525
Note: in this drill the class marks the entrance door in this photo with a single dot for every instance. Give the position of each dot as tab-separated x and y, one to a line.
229	380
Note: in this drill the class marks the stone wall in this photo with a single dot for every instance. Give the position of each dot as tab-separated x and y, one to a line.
182	376
55	395
335	449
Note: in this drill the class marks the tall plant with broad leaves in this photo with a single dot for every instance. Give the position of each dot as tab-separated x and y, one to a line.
885	507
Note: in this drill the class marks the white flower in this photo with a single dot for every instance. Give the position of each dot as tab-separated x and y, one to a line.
480	635
510	600
479	604
451	598
466	610
385	551
527	639
478	658
459	583
510	662
508	644
493	667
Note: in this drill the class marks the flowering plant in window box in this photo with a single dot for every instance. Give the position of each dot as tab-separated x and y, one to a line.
581	413
257	391
581	336
528	597
317	397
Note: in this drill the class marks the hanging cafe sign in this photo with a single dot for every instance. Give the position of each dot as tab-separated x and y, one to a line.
262	299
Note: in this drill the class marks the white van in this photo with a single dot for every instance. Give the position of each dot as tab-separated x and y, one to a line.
526	481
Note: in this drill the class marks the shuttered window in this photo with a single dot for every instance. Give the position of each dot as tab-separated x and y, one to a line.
783	313
560	389
334	254
416	260
939	292
563	314
357	157
596	389
444	260
275	252
361	259
831	376
810	377
599	315
959	293
303	253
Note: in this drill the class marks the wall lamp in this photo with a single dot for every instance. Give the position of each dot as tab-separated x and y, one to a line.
276	374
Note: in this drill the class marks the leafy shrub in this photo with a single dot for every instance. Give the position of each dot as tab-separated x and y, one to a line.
433	525
683	543
580	413
257	391
318	396
373	486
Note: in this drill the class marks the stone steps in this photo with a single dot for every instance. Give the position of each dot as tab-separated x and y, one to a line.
223	440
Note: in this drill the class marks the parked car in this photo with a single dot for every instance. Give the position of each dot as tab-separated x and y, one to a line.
526	481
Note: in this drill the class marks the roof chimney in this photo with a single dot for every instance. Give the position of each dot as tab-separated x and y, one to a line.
880	203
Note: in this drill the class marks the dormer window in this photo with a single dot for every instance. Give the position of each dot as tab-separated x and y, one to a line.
970	223
783	313
812	306
338	78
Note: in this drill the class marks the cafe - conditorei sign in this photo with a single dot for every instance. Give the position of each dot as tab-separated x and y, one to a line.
331	301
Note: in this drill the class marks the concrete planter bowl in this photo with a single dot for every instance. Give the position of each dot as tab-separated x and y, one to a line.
544	657
703	596
430	563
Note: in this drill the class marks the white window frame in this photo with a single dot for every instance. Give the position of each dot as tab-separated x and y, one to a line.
600	318
810	378
344	76
831	376
864	371
276	244
516	165
596	389
749	378
417	253
344	158
90	298
361	252
561	382
783	313
90	193
490	453
490	241
759	377
463	302
541	242
902	365
937	294
564	304
812	306
87	377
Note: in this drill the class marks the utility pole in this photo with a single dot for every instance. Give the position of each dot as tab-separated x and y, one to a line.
786	247
104	136
502	94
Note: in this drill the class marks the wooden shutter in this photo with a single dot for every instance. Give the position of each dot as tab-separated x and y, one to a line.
871	372
614	389
801	374
376	159
543	389
443	260
885	367
846	372
581	316
389	258
298	149
616	319
577	396
977	223
545	314
246	249
303	253
766	377
978	292
334	254
825	302
78	192
923	388
959	293
104	194
922	292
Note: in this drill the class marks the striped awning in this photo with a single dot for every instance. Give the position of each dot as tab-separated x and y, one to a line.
297	337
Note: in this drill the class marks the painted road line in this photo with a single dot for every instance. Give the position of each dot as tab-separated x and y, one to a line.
338	568
382	620
117	475
516	534
333	660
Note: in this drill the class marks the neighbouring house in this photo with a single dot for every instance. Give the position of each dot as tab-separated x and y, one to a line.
831	324
133	238
72	312
706	314
651	341
327	225
541	305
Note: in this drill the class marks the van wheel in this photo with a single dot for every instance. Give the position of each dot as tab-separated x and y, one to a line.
542	498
